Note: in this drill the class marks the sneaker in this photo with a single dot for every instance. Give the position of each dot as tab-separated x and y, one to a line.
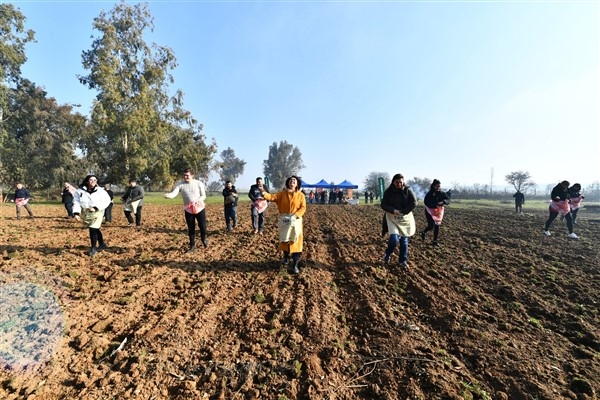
572	235
547	233
255	231
293	269
103	246
92	251
205	243
403	264
192	249
435	243
423	236
286	260
386	259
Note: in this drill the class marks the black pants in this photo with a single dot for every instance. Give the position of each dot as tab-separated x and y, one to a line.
574	214
96	237
108	213
138	216
190	220
519	207
553	216
69	208
431	226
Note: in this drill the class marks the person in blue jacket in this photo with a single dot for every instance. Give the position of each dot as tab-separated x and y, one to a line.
22	197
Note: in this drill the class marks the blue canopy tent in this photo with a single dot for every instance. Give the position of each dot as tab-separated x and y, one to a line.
346	185
323	184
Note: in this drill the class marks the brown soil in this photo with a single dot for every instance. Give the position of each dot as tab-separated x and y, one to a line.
498	311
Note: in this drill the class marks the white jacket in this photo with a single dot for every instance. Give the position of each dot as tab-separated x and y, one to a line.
84	199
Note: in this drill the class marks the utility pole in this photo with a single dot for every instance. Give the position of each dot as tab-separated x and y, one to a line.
491	182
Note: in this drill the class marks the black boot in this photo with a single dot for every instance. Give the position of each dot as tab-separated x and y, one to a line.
286	258
294	268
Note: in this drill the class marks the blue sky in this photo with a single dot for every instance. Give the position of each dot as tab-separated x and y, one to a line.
446	90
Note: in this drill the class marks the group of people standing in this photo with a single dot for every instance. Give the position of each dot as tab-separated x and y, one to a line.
92	204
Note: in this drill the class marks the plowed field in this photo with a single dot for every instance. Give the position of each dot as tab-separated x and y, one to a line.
497	311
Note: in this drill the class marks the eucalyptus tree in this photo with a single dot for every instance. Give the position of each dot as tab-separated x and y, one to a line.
284	161
230	166
13	38
135	122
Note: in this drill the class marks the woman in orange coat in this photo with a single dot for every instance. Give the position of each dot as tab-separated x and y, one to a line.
291	204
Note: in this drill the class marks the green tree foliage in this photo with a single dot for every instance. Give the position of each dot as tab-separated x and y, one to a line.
39	145
13	38
371	182
230	167
520	180
284	161
137	128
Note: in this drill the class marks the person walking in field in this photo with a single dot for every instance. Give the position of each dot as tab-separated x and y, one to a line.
519	201
134	201
108	211
398	202
90	201
258	208
575	197
193	193
559	205
67	198
435	200
22	198
230	199
291	204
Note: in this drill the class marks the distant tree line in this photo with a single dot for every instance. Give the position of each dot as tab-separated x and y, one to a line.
517	180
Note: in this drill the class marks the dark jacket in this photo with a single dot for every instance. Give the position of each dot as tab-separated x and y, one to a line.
519	198
134	194
254	192
403	200
433	198
67	197
22	193
230	202
573	194
560	192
